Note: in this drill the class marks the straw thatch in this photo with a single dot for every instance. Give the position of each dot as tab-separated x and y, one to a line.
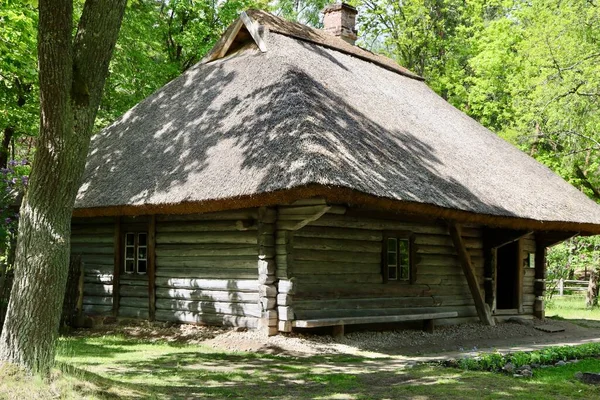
304	114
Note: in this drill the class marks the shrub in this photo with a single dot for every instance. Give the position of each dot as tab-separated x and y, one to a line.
548	356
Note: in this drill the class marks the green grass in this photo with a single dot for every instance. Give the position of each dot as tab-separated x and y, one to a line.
572	307
131	369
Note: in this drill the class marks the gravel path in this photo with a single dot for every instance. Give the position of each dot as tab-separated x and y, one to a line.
465	338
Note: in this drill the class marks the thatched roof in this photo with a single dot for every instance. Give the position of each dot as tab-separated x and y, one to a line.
308	117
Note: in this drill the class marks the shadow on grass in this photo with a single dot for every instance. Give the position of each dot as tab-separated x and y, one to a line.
193	374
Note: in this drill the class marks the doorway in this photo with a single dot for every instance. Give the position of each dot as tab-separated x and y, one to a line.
507	258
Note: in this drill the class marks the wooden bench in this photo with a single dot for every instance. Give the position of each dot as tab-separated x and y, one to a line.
338	323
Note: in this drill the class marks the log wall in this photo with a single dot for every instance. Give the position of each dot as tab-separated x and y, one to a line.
206	268
528	247
334	264
92	239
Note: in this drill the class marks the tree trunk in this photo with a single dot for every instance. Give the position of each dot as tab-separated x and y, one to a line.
591	298
72	75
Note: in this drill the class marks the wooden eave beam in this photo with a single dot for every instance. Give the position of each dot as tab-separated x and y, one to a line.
549	239
494	238
483	310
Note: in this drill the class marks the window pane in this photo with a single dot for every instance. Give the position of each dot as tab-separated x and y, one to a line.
141	267
392	273
142	253
130	239
129	266
141	239
391	245
392	259
130	252
404	272
403	250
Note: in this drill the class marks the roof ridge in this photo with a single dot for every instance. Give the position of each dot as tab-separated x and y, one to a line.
317	36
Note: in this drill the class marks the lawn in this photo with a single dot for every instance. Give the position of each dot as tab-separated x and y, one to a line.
572	307
117	367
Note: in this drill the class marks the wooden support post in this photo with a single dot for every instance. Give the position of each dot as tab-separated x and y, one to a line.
489	269
337	331
520	276
117	265
151	267
539	283
429	325
465	260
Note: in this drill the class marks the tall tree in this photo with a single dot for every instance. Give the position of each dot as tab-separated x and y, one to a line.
72	72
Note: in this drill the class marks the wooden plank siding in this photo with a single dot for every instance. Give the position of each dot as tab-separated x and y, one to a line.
207	268
92	239
335	263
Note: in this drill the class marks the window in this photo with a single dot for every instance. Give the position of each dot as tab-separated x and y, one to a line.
136	253
397	258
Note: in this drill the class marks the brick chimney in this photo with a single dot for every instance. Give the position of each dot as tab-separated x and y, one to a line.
339	20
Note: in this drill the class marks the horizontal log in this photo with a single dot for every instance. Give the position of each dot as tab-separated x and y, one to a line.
95	309
133	291
334	268
92	249
244	285
207	295
99	300
438	270
445	240
92	239
344	221
102	279
266	267
88	221
133	312
133	280
265	279
207	273
97	259
284	326
339	233
314	323
212	249
267	290
89	229
267	303
341	278
137	302
206	319
354	290
337	245
233	262
248	237
96	269
250	213
209	307
284	299
338	256
287	286
207	226
91	289
285	313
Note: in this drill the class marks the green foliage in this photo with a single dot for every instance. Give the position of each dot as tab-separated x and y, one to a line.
18	67
495	362
159	39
